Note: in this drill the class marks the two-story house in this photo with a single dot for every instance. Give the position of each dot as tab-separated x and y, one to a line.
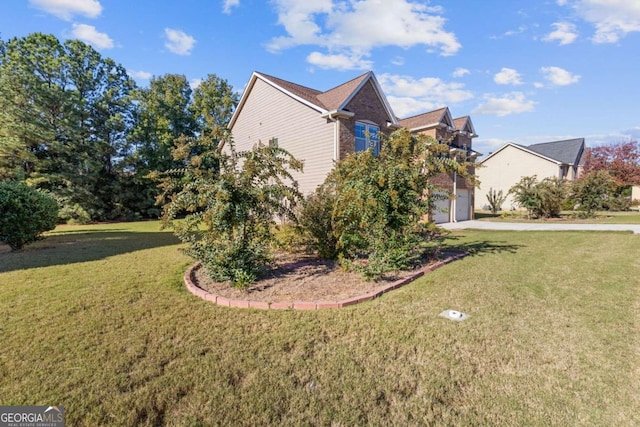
322	127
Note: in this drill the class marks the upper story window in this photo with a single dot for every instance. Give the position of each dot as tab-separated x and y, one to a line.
367	136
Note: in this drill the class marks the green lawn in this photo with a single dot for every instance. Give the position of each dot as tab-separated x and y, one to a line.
96	318
632	217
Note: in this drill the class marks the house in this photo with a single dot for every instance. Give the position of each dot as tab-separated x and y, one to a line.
506	166
322	127
317	127
458	134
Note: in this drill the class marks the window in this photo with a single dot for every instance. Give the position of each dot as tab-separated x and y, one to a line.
367	136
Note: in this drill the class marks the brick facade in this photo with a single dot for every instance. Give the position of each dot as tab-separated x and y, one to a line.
367	106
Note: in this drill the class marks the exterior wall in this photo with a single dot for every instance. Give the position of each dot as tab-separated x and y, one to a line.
269	113
435	133
464	211
365	105
635	193
505	169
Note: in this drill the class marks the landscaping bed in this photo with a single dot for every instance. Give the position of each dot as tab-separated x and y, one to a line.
303	277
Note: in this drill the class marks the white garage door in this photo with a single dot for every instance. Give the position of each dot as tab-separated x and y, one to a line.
463	210
441	211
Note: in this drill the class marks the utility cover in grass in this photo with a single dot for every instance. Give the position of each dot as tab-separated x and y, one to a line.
454	315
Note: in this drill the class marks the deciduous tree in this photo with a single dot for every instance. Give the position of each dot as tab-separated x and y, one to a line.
621	161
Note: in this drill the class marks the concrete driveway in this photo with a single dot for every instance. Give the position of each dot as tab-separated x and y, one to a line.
487	225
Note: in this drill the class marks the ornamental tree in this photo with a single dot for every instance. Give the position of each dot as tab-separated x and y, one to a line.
621	161
369	211
229	201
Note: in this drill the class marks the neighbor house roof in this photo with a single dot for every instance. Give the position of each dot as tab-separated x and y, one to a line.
327	102
568	151
561	152
436	118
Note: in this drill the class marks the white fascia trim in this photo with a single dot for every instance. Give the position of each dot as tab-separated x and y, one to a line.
252	81
340	114
526	150
296	97
430	125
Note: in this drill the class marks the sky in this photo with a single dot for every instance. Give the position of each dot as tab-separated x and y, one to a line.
526	71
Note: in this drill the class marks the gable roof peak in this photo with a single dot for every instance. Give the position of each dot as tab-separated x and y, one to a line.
336	97
439	117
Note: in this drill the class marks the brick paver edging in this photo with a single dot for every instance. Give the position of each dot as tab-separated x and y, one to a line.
307	305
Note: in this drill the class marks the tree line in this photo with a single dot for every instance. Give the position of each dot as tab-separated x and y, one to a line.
75	124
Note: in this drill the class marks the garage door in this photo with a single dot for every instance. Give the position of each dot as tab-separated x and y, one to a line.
463	210
441	211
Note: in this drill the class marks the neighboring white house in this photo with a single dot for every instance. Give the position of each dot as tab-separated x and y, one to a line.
506	166
635	193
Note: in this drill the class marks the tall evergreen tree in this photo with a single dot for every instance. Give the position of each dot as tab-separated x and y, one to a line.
65	114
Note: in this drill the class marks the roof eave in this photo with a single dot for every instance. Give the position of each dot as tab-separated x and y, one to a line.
338	114
252	81
525	149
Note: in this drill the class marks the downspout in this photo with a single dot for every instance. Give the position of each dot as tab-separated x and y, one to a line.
452	213
336	140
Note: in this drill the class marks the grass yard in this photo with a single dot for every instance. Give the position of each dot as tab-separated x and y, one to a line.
96	318
631	217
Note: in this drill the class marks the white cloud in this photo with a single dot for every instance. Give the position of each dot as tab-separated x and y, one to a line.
521	29
487	146
354	28
142	75
509	103
558	76
409	96
565	33
339	61
508	76
194	83
613	19
407	106
538	85
230	4
459	72
89	34
398	60
66	9
178	42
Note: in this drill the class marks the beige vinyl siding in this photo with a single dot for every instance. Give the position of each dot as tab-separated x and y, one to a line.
505	169
269	113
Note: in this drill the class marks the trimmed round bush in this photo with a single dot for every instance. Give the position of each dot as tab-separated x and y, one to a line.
25	213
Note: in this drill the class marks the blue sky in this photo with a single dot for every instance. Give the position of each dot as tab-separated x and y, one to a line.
526	71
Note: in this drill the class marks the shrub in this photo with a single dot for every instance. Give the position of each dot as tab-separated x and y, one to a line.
552	193
315	222
592	191
540	199
25	213
495	199
74	214
229	202
368	211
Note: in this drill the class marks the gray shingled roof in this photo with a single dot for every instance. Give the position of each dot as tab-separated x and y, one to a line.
568	151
